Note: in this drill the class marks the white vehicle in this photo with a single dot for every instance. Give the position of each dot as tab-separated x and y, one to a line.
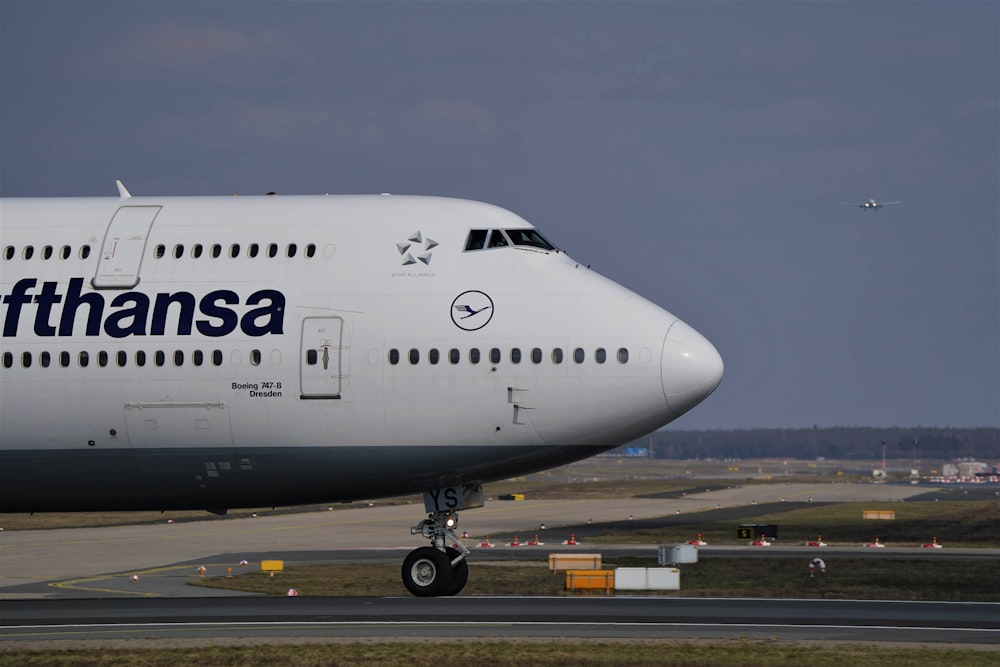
871	204
166	353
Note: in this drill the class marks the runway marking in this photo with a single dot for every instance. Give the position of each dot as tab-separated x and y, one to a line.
74	584
200	625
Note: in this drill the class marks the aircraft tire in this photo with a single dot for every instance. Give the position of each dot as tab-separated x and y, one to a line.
459	573
427	572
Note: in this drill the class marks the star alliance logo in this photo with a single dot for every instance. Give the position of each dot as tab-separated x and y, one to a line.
419	239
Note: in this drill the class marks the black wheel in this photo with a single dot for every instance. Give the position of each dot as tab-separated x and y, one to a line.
427	572
459	573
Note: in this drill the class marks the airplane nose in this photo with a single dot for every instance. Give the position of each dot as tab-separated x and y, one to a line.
690	368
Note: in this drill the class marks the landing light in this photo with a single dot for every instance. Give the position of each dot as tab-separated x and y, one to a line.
451	521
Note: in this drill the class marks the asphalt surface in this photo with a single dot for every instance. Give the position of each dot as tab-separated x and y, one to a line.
501	617
106	584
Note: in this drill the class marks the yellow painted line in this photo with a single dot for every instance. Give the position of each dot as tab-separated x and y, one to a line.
75	584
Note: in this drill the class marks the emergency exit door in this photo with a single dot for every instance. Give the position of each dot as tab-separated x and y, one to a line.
123	248
322	357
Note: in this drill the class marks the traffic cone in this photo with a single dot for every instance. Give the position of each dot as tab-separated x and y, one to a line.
202	569
535	542
244	563
571	540
933	544
515	543
698	542
486	542
292	593
134	578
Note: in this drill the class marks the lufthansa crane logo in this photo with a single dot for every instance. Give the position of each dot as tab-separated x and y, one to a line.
407	249
472	310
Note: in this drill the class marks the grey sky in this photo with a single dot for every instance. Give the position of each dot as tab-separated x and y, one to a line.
694	152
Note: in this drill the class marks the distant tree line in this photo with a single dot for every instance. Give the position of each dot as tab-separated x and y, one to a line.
845	443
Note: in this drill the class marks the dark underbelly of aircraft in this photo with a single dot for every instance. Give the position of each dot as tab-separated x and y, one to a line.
219	479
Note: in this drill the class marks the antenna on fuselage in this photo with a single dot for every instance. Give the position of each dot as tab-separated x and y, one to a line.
122	192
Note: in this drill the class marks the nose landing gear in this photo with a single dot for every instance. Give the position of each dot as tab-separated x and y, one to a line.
441	568
438	569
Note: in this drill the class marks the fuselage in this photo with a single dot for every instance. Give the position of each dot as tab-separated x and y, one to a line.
221	352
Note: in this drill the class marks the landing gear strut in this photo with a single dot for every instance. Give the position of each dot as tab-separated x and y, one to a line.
438	569
441	568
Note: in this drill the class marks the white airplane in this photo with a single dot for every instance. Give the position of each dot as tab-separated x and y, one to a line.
167	353
871	204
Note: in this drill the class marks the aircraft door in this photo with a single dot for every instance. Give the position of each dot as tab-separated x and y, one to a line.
124	245
322	359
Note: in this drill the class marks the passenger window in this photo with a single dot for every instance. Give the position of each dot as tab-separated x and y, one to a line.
495	356
84	359
216	251
600	355
122	358
515	355
312	357
414	356
216	357
291	250
311	250
8	359
47	252
557	355
45	359
178	251
255	357
454	356
140	358
159	357
393	356
497	239
8	254
178	358
102	359
196	250
198	357
64	359
622	355
433	356
65	252
474	355
253	250
84	252
26	359
272	249
578	355
476	240
536	356
28	252
234	250
159	251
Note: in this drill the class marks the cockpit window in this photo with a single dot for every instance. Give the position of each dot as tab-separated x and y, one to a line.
497	239
480	239
529	237
477	239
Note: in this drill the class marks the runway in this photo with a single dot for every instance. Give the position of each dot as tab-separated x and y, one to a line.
74	585
502	617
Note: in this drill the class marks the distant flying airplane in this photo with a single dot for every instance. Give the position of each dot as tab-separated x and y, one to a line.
871	204
218	352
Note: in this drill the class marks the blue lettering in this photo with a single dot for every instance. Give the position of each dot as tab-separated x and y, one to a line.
273	312
217	313
137	313
211	309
